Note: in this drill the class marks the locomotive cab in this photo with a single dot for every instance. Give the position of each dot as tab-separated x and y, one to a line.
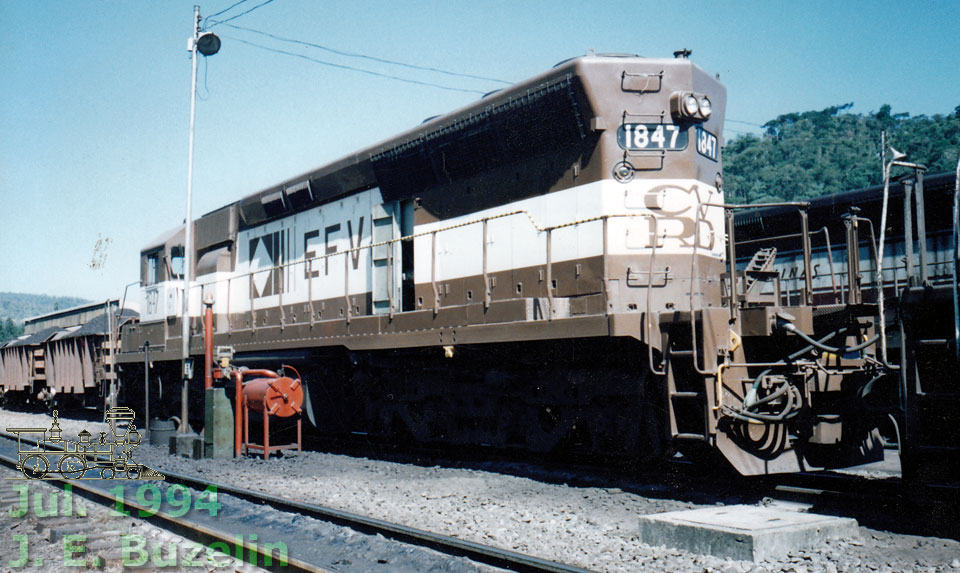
161	275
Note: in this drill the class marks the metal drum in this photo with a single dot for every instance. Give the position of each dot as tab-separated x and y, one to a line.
161	430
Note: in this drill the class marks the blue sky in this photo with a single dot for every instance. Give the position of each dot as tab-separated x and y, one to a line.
94	96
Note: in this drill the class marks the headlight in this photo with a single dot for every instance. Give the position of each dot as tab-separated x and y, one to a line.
705	107
690	106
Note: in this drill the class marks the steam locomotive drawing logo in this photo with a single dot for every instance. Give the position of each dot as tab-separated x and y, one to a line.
50	456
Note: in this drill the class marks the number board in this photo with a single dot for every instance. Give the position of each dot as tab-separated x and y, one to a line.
652	136
707	144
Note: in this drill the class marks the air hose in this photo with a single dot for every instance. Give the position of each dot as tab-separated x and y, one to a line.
790	327
792	357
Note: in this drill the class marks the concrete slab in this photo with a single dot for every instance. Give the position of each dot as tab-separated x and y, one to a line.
743	532
186	446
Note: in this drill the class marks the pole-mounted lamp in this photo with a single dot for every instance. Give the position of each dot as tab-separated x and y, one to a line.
207	44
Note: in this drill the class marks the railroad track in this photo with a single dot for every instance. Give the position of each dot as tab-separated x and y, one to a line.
52	529
282	534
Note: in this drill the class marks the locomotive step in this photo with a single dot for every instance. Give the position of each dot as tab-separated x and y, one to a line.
934	341
936	396
939	449
692	437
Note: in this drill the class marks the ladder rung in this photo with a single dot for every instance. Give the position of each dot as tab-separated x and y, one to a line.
686	395
932	341
681	352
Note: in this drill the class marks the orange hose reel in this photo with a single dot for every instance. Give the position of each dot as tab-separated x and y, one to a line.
281	397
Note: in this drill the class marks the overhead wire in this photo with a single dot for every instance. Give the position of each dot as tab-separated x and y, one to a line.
367	57
743	122
218	22
354	69
206	91
227	9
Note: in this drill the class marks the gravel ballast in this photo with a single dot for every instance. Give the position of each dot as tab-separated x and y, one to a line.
591	527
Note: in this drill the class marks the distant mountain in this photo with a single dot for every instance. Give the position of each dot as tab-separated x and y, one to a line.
18	306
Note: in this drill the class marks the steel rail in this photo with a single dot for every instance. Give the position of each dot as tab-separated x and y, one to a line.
446	544
194	531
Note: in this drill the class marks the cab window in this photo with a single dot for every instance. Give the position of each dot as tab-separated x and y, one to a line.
152	269
176	262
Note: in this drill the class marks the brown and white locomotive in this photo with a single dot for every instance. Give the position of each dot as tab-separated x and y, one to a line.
548	267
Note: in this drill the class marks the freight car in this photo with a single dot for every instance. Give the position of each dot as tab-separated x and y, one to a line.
64	358
545	268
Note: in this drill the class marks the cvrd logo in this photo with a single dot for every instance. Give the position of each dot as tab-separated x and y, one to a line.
675	212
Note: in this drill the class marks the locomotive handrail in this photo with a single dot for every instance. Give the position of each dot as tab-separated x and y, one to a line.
412	236
827	245
309	262
648	311
833	276
807	290
737	206
433	273
549	240
936	277
805	243
877	267
693	280
897	159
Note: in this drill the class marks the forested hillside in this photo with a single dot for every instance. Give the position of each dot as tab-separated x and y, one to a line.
804	155
14	307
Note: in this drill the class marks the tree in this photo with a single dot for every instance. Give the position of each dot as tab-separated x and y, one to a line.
803	155
10	329
7	330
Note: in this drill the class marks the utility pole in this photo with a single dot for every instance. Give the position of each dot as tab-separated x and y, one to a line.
112	341
188	237
883	152
206	44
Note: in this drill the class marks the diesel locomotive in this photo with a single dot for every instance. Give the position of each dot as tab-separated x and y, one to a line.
550	267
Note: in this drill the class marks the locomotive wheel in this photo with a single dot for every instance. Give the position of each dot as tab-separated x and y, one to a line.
35	466
133	472
72	467
106	473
